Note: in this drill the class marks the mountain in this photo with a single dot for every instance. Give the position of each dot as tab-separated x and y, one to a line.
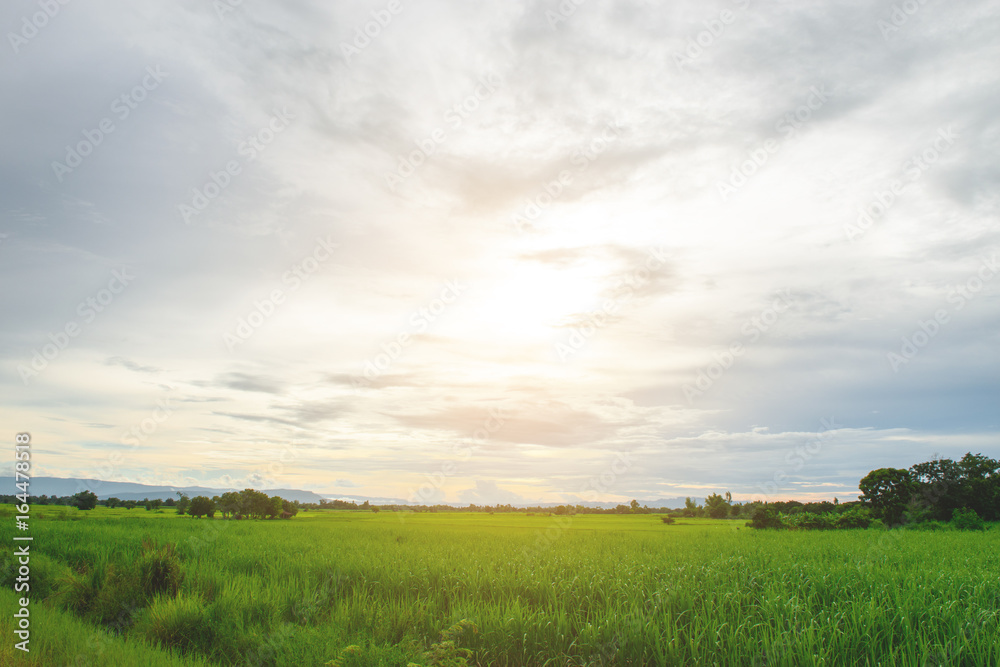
58	486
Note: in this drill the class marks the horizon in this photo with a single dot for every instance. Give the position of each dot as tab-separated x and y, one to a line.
499	254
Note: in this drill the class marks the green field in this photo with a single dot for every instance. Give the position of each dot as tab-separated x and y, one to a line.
133	588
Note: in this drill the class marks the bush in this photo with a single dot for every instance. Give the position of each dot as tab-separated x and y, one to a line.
856	517
967	519
811	521
927	525
177	623
160	570
765	517
667	519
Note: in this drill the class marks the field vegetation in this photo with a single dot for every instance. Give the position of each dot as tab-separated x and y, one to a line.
121	587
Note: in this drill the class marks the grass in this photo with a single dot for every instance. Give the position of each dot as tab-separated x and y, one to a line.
390	589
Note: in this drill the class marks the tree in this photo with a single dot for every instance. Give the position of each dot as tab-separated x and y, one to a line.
277	506
129	504
766	517
113	502
201	506
717	506
887	491
85	500
229	503
182	503
690	507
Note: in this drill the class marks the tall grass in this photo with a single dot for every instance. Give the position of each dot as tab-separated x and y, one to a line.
599	590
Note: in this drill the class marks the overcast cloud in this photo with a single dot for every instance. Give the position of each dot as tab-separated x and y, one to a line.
500	250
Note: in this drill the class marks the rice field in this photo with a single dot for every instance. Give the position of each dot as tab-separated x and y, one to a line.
349	588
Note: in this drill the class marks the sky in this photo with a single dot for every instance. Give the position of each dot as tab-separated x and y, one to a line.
500	252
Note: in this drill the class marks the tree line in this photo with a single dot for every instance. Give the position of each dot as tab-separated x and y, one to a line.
245	504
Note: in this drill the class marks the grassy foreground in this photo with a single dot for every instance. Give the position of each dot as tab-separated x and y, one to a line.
138	588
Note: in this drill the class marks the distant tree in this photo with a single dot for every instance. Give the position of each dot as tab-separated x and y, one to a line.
375	509
182	503
201	506
887	491
169	502
967	519
690	507
229	503
85	500
112	502
717	506
129	504
766	517
276	508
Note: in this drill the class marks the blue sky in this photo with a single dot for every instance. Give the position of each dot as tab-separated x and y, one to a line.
500	251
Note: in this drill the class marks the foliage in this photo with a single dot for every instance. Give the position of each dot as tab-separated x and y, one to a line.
856	517
85	500
717	506
766	517
201	506
446	652
967	519
887	491
542	590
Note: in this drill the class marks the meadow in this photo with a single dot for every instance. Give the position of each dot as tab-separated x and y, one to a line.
119	587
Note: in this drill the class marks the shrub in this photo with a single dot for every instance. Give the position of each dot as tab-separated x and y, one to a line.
765	517
811	521
927	525
160	570
967	519
856	517
667	519
177	622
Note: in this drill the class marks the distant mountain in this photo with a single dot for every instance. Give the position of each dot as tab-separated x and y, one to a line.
58	486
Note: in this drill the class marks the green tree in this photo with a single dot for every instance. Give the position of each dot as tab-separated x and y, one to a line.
717	506
887	491
766	517
201	506
113	502
85	500
182	503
